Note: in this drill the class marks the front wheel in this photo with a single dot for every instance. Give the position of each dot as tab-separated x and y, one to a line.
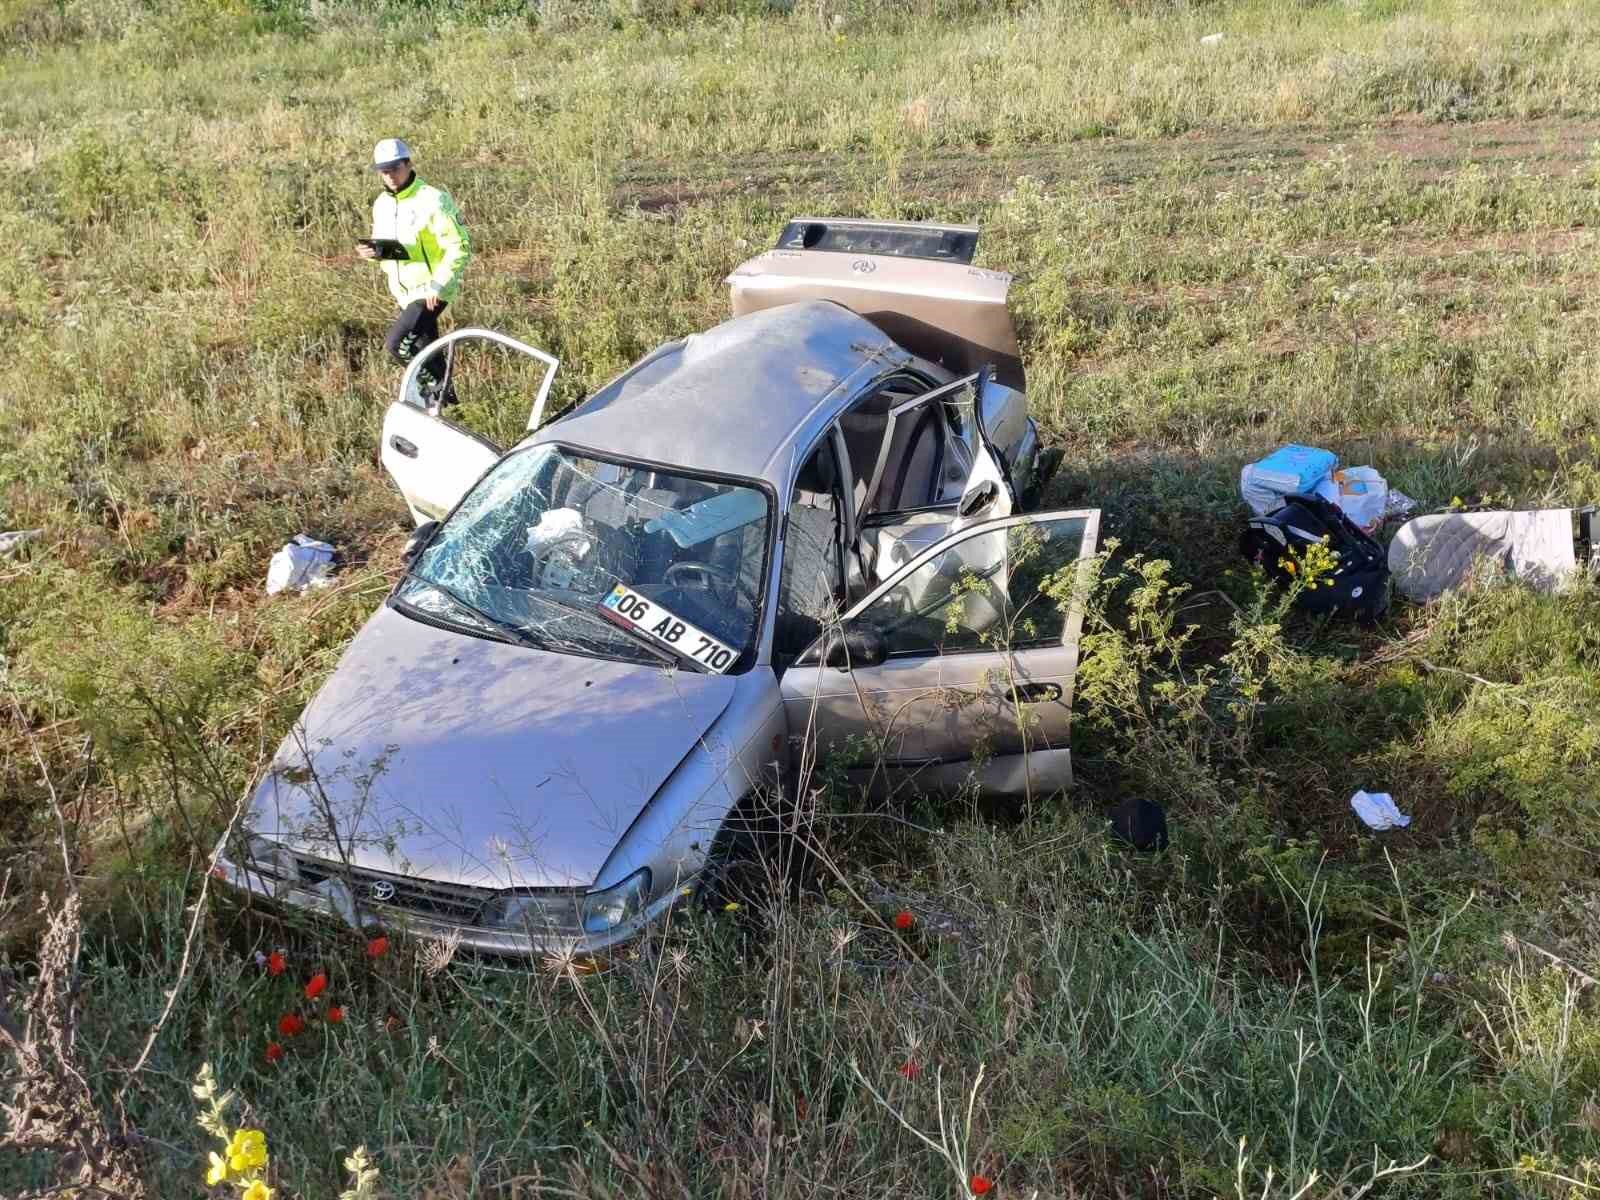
764	852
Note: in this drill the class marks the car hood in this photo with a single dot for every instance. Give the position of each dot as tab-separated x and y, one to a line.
456	759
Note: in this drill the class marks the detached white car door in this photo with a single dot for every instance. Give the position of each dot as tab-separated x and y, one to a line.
432	460
967	652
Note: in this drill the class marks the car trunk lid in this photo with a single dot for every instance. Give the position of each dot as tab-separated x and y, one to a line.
914	281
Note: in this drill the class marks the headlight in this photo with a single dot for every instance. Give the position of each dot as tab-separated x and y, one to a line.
268	860
604	911
573	914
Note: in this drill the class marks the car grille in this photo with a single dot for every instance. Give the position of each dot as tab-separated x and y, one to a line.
447	903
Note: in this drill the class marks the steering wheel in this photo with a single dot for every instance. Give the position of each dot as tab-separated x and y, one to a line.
709	576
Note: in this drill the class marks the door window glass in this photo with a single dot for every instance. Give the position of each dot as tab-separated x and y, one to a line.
485	385
997	588
961	418
916	458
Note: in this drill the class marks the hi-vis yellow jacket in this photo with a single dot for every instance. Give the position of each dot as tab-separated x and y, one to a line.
426	221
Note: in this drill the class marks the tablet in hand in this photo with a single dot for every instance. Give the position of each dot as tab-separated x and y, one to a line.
385	248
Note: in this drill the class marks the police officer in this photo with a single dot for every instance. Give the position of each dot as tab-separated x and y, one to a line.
427	224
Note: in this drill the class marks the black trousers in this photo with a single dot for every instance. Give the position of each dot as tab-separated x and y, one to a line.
413	331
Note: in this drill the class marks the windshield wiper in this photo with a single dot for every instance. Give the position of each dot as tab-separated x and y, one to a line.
665	653
508	632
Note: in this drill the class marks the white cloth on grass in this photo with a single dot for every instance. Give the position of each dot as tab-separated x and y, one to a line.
11	542
302	563
1378	810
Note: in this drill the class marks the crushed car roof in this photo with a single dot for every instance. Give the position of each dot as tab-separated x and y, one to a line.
735	398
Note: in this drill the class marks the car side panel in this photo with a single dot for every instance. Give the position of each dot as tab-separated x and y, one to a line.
936	707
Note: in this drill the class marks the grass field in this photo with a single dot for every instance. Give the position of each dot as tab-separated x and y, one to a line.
1369	225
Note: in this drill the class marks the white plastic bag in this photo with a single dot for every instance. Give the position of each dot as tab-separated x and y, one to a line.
1362	493
302	563
11	542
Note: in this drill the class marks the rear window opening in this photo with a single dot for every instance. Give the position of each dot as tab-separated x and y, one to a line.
939	243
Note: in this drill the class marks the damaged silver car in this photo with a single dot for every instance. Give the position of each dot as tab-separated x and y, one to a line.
804	531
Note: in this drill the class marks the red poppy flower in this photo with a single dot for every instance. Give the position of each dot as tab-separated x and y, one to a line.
377	947
903	920
335	1014
318	984
290	1024
275	963
274	1052
910	1068
980	1184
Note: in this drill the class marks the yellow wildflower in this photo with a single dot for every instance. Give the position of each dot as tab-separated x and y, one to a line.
731	906
218	1171
257	1191
247	1151
1288	565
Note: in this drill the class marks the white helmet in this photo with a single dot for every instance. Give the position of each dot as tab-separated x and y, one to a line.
388	152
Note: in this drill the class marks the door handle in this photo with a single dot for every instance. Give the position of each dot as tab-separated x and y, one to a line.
408	448
978	499
1039	693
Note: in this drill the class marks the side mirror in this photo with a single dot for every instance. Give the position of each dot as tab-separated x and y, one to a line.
857	645
420	537
978	498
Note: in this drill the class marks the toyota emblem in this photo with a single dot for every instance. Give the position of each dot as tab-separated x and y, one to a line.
863	266
382	891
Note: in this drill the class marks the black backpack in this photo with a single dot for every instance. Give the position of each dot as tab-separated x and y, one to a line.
1359	586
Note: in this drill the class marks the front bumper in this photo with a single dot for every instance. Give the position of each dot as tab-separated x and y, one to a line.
507	943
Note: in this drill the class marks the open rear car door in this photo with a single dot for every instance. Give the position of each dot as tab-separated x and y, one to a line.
937	472
432	460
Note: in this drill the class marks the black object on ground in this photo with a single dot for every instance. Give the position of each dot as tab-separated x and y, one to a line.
1141	823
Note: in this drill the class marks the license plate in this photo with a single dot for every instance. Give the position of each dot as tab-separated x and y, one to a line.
666	627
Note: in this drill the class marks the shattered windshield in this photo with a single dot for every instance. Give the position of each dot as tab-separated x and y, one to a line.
613	559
